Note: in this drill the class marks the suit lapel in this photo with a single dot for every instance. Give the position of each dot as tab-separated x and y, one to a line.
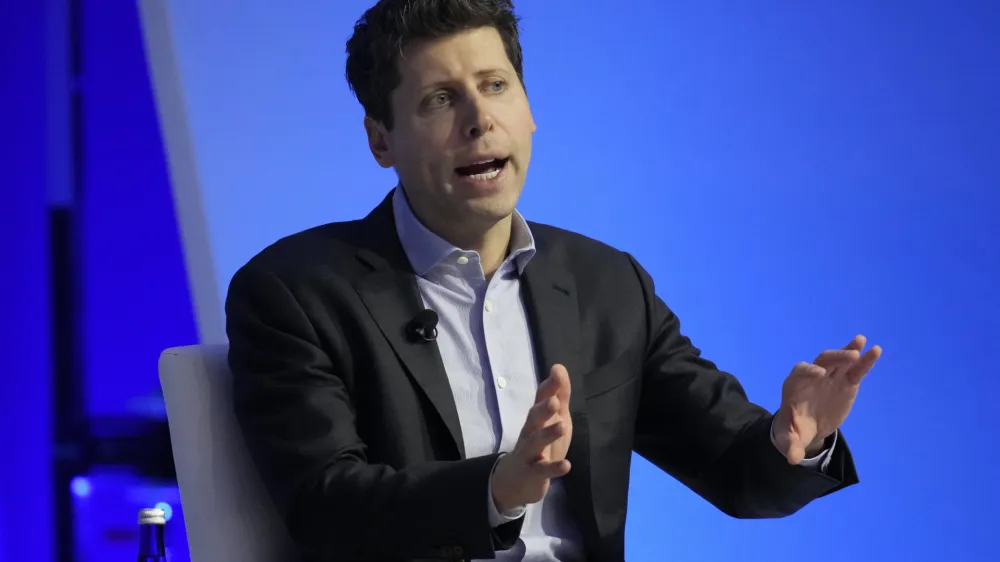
550	293
391	294
550	296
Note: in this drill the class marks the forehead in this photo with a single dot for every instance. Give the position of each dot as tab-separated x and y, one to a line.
455	57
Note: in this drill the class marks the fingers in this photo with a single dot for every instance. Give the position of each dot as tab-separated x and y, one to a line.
548	420
556	384
545	390
837	358
861	367
858	343
549	470
539	415
804	368
532	447
559	378
849	360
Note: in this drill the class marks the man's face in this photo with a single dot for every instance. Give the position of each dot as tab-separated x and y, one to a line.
461	137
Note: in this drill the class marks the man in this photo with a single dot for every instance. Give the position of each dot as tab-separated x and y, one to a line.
502	423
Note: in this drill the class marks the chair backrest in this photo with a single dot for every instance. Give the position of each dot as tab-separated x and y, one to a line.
228	515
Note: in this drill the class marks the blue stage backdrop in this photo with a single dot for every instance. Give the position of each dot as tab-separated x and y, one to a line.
25	366
791	175
106	171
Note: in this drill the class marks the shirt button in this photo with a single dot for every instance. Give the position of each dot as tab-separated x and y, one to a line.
462	260
488	306
501	382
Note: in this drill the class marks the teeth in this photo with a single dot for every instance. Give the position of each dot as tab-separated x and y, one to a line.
487	176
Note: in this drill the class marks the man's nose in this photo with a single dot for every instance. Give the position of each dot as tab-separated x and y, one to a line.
479	119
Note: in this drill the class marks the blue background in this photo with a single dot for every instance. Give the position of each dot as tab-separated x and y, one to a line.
790	175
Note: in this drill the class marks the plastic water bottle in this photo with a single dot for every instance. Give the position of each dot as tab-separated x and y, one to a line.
151	526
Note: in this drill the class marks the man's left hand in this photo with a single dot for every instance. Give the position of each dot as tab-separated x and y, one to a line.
816	398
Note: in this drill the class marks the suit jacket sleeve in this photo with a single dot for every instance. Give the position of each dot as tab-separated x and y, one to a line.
298	420
696	423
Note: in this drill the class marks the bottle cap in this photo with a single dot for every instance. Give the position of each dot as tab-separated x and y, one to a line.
152	516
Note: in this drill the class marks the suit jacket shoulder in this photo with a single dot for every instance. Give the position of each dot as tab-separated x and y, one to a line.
603	273
332	251
574	250
315	250
611	296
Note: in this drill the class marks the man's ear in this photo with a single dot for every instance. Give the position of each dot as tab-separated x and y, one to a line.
378	142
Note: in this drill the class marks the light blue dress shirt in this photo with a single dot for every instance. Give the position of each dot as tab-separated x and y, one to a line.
485	344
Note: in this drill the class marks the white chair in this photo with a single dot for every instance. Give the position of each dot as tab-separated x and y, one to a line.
227	513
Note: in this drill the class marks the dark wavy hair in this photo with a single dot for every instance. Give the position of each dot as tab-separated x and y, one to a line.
386	29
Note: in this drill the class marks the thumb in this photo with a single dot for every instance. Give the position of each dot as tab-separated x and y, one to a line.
786	438
796	451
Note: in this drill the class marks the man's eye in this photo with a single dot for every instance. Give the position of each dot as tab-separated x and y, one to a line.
497	86
438	99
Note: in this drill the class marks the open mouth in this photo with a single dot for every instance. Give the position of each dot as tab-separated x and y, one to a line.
483	170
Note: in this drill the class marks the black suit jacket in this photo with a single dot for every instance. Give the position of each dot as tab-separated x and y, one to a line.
356	435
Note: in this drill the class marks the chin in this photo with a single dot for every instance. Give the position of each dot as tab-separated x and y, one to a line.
497	205
496	201
490	211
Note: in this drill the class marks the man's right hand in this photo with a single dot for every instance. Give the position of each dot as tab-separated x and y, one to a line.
522	476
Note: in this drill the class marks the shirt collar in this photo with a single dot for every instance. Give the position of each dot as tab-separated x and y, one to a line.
426	250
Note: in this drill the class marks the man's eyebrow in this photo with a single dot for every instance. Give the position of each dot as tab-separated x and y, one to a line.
479	74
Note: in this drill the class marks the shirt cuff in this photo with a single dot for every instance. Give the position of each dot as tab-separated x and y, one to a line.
497	518
819	462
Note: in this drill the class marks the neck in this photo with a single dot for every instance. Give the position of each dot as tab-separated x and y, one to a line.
490	240
491	243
